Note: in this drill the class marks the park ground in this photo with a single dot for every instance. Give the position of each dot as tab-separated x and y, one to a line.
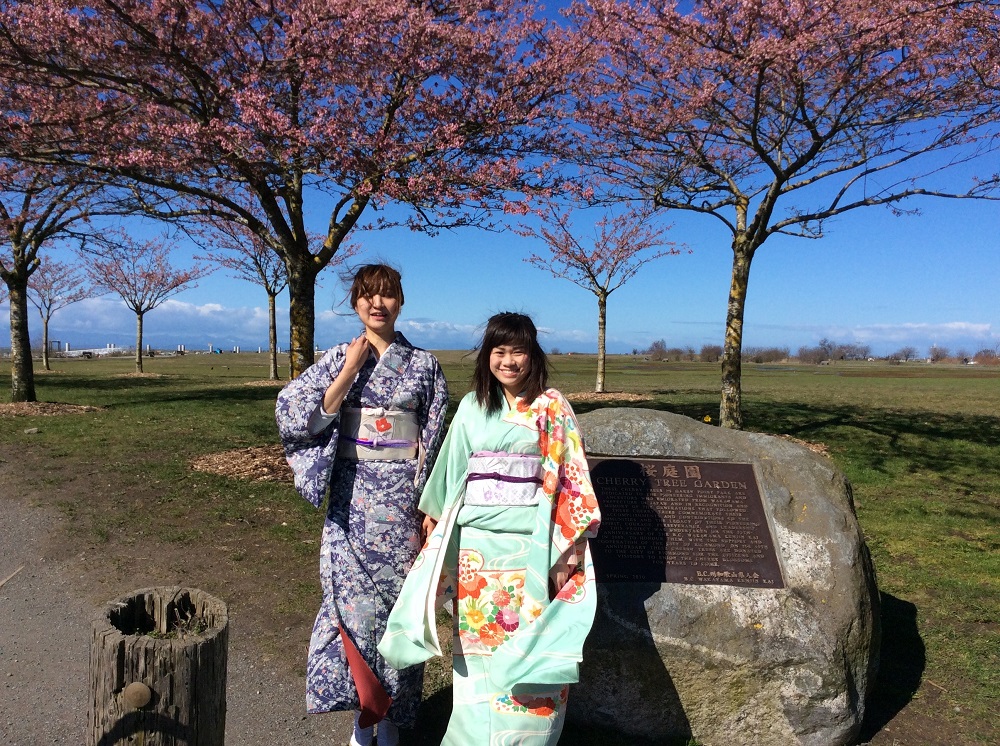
174	478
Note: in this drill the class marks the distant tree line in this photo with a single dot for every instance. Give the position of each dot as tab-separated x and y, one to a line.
826	351
708	353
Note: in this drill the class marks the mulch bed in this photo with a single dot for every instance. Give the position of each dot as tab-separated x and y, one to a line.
819	448
43	409
255	464
605	396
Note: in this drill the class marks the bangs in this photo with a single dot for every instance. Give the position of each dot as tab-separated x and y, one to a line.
510	331
376	279
378	285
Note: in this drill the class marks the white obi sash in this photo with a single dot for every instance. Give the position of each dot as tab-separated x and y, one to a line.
503	479
376	433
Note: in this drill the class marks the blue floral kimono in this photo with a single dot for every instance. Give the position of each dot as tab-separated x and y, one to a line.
372	531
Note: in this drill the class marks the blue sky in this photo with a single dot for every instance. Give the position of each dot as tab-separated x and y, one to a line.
875	279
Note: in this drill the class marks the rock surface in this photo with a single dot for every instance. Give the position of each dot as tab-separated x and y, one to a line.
732	665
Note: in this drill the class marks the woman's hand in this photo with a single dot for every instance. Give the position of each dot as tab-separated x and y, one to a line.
557	583
357	352
426	527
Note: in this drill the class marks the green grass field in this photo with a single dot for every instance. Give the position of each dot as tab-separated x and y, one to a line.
919	442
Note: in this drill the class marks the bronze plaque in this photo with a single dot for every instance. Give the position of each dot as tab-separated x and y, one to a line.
674	521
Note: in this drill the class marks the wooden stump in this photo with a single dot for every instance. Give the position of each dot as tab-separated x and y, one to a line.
158	670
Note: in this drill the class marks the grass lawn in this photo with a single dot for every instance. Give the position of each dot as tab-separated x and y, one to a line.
920	444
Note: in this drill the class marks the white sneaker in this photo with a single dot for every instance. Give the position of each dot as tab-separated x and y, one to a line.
355	741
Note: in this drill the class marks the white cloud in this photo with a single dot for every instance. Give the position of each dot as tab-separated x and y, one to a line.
903	332
97	322
439	335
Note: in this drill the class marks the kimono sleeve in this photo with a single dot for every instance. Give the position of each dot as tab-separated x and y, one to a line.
310	456
447	479
432	425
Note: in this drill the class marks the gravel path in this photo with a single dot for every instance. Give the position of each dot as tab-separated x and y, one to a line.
44	655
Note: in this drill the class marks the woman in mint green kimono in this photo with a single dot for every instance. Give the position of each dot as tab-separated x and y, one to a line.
514	506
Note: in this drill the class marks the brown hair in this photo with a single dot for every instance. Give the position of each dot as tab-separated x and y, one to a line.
376	279
509	329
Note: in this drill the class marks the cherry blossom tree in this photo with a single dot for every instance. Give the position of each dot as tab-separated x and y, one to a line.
248	258
140	273
985	62
37	205
619	246
53	286
773	116
245	111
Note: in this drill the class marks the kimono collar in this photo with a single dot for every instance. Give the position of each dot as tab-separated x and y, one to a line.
398	352
389	369
523	412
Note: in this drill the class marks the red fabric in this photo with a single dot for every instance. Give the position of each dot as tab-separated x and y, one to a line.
373	697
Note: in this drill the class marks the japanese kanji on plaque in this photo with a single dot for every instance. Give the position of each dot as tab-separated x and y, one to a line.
677	521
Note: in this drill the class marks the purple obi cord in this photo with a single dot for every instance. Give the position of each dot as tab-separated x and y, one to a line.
502	478
379	443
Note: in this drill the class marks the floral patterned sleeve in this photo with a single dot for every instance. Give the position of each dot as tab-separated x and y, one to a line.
310	456
432	426
575	513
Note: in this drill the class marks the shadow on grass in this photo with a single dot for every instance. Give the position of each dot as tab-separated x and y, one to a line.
432	720
127	391
901	666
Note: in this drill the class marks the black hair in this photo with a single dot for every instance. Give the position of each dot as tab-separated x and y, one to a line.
518	330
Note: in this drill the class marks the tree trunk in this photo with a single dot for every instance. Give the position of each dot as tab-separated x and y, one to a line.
731	407
138	343
272	329
602	325
301	318
45	342
22	372
158	660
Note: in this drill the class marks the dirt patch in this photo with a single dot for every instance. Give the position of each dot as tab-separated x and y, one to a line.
257	464
607	396
43	409
265	383
819	448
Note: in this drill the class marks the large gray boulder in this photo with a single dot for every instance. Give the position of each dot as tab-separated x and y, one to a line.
733	665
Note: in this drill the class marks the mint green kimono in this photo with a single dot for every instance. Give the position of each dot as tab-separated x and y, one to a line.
510	551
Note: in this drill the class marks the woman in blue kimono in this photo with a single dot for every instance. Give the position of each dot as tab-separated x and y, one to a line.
365	422
514	506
